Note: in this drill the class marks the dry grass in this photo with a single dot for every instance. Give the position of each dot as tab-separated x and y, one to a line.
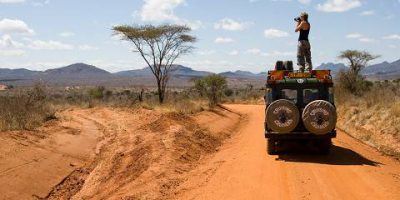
25	110
373	117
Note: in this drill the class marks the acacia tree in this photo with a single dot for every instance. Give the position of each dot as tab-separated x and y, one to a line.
352	80
159	46
358	60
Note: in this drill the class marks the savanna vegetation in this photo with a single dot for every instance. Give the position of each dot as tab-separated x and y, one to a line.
369	111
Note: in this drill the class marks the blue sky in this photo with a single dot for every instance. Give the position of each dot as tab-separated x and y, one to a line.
233	34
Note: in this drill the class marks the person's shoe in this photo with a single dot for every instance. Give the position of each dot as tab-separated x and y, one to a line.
308	67
301	68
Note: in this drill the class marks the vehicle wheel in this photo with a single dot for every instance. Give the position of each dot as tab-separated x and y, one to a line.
319	117
325	146
271	147
282	116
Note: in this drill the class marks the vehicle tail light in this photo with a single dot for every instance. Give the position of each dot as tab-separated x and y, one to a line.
276	75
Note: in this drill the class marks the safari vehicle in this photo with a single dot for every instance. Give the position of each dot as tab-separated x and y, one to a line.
299	106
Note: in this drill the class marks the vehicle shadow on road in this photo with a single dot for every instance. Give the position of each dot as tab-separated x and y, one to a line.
338	156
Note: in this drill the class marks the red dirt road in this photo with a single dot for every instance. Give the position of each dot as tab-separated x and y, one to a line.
243	170
141	154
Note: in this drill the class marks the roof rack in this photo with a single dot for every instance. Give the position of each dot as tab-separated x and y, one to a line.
284	76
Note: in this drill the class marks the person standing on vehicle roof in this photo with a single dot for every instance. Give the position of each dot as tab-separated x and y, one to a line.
304	47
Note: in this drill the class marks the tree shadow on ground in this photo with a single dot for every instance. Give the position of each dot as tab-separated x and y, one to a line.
337	156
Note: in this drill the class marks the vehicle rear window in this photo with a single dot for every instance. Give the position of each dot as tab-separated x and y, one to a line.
310	95
289	94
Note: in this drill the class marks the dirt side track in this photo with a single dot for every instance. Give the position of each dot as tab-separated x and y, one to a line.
121	154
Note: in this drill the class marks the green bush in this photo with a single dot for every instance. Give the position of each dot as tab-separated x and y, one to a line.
212	87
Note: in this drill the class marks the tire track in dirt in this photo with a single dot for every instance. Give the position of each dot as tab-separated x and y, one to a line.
33	162
146	154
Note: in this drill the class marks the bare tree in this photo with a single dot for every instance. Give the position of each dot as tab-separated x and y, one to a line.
159	46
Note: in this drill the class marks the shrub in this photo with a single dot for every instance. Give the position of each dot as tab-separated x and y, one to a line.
212	87
97	93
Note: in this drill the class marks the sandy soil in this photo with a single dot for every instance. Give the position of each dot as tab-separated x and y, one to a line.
142	154
243	170
108	153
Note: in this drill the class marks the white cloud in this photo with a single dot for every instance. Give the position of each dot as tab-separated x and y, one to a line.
192	24
220	40
392	37
304	1
40	3
275	33
366	40
9	26
338	5
206	52
231	25
354	36
7	42
253	51
86	47
160	10
367	13
279	53
360	37
67	34
9	47
163	10
11	1
48	45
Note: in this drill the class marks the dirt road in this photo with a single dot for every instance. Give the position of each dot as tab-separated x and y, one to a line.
243	170
105	153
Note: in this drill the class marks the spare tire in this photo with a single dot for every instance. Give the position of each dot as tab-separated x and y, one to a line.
282	116
288	65
319	117
279	65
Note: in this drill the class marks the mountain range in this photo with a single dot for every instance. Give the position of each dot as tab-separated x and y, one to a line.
83	74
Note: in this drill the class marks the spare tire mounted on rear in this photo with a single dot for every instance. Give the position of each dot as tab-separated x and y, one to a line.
319	117
282	116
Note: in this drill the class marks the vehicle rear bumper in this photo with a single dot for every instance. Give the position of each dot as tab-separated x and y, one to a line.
298	135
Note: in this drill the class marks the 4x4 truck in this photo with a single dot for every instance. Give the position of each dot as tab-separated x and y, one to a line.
299	106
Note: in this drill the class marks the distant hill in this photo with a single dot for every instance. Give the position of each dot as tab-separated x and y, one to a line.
380	71
383	70
17	73
176	71
84	74
335	68
241	74
78	69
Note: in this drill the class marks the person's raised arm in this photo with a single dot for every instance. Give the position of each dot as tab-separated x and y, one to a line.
300	26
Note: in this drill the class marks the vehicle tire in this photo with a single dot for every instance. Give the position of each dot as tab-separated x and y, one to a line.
325	146
288	65
282	116
271	147
319	117
279	65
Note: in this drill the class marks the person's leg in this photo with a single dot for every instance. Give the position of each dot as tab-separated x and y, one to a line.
307	54
300	56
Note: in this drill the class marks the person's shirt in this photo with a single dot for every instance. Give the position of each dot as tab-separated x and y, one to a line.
304	29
